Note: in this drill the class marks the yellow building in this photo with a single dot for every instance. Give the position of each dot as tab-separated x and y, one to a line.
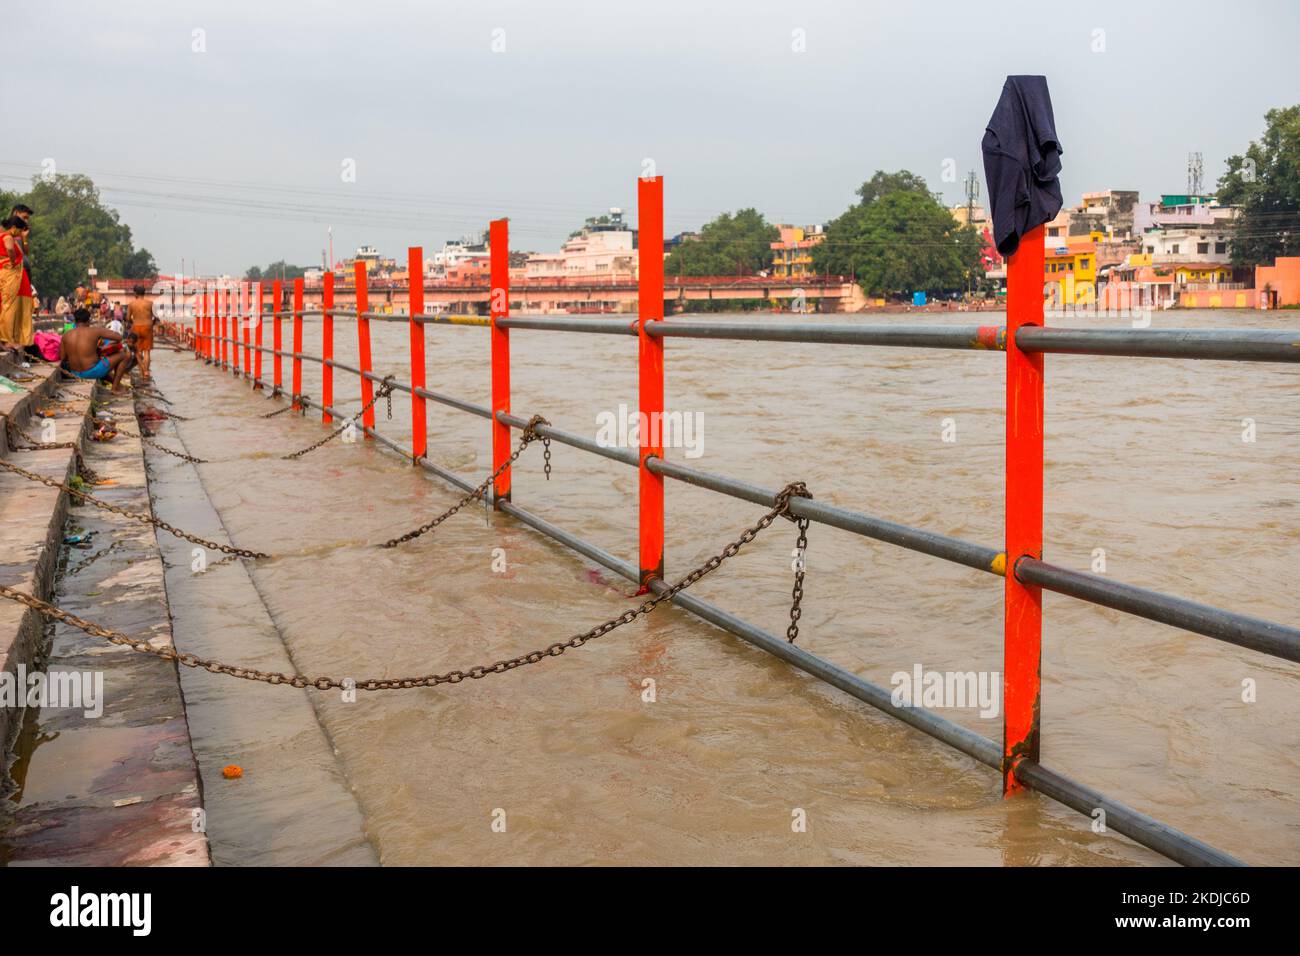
1070	265
792	253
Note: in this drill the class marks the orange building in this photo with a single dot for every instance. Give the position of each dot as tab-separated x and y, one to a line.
1279	284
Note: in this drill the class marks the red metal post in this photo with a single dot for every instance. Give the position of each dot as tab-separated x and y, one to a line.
201	325
223	313
415	276
237	323
297	340
499	308
246	321
650	371
363	344
257	338
327	345
277	306
1023	606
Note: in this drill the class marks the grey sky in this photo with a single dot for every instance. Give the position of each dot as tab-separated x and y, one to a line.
237	152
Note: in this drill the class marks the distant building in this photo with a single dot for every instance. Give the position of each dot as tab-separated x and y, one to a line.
792	253
1070	270
602	249
1109	212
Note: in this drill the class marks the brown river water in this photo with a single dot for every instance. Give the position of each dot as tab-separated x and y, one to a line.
1146	460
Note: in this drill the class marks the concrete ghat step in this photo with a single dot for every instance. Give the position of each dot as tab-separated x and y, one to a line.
293	805
113	781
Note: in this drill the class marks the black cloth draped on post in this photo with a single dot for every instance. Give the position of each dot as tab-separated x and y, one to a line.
1022	160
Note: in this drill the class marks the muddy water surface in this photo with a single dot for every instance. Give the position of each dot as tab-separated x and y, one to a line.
1146	462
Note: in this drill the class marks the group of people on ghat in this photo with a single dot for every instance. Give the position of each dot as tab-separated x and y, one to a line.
96	352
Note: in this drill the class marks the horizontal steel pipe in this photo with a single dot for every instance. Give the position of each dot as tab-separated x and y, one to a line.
571	541
979	337
626	455
599	326
1138	827
1164	839
1238	345
914	539
482	411
1250	632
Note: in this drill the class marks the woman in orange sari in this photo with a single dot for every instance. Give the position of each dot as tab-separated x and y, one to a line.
11	278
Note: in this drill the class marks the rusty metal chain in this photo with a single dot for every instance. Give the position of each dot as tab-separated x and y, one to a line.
546	456
529	436
385	390
476	672
13	428
140	516
278	411
797	489
163	448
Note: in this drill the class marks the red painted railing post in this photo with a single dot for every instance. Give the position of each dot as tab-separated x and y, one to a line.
363	344
223	308
297	341
327	345
237	323
1023	606
257	338
499	308
415	296
246	320
201	326
650	371
277	364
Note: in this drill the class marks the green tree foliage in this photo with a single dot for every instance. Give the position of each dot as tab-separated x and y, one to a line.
739	244
900	239
1265	183
276	270
72	229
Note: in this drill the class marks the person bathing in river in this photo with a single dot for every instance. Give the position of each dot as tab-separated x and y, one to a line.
140	317
79	352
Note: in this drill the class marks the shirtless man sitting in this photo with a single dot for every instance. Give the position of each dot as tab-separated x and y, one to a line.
140	318
79	352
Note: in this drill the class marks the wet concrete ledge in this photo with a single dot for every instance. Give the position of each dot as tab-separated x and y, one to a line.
121	787
31	522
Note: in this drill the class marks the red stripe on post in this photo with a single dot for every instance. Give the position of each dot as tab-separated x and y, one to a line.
1023	606
248	330
277	364
237	324
297	341
499	308
363	344
327	345
650	372
415	296
223	310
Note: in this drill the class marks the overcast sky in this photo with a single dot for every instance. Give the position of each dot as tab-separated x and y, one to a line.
237	154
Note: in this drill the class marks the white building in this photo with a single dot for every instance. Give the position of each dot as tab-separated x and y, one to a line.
600	251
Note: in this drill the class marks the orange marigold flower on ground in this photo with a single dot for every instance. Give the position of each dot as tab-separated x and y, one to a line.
232	772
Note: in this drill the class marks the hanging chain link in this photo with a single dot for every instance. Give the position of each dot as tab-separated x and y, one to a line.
528	437
386	390
546	456
476	672
796	596
145	439
140	516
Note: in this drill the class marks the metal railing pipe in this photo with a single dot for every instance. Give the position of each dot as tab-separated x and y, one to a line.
1237	345
979	337
1164	839
1254	633
599	326
914	539
625	455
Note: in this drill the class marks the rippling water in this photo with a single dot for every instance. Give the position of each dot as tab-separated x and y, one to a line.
1145	460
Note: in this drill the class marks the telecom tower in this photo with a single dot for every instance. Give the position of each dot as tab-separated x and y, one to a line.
1195	169
972	194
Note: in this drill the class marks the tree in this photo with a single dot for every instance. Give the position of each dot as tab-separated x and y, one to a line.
1265	183
899	239
739	244
276	270
71	230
